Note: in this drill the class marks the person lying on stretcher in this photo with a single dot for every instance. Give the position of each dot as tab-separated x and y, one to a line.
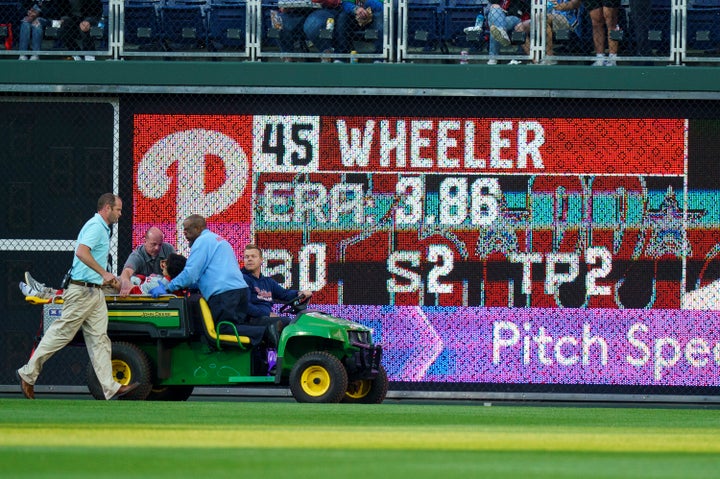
171	267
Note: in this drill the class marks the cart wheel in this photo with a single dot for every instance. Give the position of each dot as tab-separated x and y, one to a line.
368	391
130	364
318	377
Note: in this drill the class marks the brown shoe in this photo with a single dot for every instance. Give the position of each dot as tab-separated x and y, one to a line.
125	389
27	388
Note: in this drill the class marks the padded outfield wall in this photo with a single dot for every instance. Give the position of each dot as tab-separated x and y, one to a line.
505	231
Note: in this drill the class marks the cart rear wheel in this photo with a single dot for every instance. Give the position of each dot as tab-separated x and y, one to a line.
130	364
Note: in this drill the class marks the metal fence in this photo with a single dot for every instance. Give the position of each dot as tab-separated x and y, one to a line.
662	32
506	245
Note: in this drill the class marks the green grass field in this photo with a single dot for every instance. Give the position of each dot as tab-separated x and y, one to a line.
95	439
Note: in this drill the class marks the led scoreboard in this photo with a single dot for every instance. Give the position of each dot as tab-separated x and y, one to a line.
481	250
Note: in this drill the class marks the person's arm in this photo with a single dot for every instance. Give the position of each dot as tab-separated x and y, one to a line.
133	263
125	283
571	5
83	254
349	7
283	294
190	275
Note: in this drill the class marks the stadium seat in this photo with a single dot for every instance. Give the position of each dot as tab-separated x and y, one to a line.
703	25
227	25
141	25
460	14
659	25
184	24
424	23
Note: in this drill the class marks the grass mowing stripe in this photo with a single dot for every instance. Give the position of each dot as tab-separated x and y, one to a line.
464	439
96	439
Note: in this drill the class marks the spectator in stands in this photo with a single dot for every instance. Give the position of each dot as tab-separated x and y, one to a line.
39	14
146	259
503	16
359	15
320	30
289	22
604	18
561	15
75	29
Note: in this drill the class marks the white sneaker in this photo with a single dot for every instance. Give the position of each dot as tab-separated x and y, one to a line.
492	61
500	35
77	58
599	61
611	60
548	61
89	58
34	57
23	57
38	289
26	290
514	62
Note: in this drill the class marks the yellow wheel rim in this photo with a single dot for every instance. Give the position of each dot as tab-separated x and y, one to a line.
359	389
121	372
315	381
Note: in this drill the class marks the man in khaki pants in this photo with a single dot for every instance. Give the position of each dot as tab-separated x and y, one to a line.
84	304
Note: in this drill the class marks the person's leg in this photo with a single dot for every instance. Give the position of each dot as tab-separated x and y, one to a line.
97	341
316	23
68	34
37	32
611	22
345	26
228	306
377	24
292	24
87	42
496	19
273	327
524	27
599	29
59	334
24	41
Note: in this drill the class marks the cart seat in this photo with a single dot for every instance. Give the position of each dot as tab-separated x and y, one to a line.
209	326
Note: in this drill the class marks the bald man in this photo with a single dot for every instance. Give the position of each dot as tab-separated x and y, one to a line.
145	260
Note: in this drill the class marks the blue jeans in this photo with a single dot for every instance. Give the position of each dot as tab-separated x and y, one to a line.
315	23
347	25
498	17
292	29
34	33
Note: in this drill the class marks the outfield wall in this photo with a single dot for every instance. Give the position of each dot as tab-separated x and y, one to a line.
501	241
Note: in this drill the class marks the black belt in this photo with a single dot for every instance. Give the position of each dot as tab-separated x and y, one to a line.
83	283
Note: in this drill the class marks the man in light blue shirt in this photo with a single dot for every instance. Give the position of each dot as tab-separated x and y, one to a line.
213	267
84	305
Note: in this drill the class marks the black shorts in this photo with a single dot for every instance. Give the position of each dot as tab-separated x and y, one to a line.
594	4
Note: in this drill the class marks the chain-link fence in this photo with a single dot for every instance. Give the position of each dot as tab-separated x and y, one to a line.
531	31
511	244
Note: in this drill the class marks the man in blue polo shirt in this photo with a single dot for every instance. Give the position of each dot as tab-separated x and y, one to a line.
214	268
84	304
